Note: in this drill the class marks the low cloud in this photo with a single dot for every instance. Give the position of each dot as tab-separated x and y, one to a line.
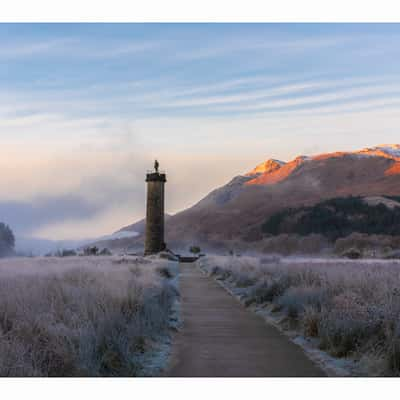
25	217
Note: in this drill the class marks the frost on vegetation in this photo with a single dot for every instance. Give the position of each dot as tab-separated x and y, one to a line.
96	316
349	309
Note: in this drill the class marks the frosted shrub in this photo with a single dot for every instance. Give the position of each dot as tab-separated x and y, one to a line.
243	280
369	245
267	291
311	320
296	299
351	307
287	244
89	317
347	325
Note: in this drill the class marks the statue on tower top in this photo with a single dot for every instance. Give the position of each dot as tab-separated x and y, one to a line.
156	165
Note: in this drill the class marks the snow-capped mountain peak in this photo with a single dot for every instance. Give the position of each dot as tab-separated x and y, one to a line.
383	150
266	167
273	171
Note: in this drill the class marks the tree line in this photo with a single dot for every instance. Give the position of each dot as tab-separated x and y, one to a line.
7	240
335	218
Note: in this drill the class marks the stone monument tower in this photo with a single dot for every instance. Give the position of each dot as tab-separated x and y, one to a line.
154	241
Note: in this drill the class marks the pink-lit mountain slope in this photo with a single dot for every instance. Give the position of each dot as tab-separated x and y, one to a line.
237	209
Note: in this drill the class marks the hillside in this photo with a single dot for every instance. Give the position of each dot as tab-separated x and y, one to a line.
338	217
237	210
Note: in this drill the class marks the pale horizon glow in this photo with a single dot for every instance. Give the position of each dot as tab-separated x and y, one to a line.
85	109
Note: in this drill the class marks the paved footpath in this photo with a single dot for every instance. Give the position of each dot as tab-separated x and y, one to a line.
220	338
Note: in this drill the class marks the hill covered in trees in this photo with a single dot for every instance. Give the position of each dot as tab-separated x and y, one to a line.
336	218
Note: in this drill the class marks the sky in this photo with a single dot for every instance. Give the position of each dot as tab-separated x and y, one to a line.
86	108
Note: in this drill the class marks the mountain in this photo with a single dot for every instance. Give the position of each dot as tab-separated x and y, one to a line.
238	209
266	167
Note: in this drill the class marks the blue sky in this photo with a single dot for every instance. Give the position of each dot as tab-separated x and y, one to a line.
85	108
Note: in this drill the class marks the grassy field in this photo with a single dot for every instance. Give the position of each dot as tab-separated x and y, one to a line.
84	316
348	309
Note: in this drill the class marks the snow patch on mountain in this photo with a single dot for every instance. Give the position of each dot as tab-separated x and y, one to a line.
384	150
272	171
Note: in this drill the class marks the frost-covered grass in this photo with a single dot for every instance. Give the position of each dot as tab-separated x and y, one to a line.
83	316
349	309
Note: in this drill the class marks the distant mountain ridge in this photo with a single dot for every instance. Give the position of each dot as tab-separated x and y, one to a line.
273	171
237	210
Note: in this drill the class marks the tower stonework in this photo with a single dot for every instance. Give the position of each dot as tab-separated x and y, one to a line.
154	241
